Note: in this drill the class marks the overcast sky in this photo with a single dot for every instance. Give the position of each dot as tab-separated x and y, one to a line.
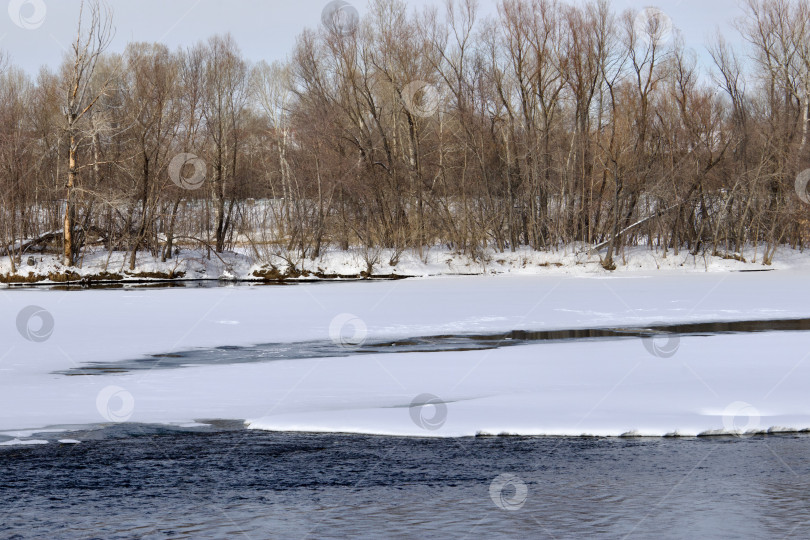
264	29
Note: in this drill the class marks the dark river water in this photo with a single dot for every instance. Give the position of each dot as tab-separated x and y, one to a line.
133	481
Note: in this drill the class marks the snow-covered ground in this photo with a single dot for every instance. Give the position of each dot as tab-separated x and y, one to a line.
705	384
242	265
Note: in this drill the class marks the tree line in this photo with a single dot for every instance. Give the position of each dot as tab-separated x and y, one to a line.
547	125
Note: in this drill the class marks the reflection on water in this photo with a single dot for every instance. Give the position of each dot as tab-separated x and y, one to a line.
223	483
442	343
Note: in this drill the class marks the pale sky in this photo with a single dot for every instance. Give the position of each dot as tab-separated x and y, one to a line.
264	29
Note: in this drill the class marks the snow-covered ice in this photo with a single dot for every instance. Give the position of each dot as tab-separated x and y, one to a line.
720	383
20	442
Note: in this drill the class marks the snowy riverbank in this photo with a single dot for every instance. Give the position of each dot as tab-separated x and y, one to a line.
242	266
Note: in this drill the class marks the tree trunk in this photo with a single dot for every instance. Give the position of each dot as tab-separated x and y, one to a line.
70	206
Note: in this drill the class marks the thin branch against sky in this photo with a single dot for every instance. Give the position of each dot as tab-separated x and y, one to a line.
267	30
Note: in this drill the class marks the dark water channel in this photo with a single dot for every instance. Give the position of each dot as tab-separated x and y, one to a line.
440	343
132	481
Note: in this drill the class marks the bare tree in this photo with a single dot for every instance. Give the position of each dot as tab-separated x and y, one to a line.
93	36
